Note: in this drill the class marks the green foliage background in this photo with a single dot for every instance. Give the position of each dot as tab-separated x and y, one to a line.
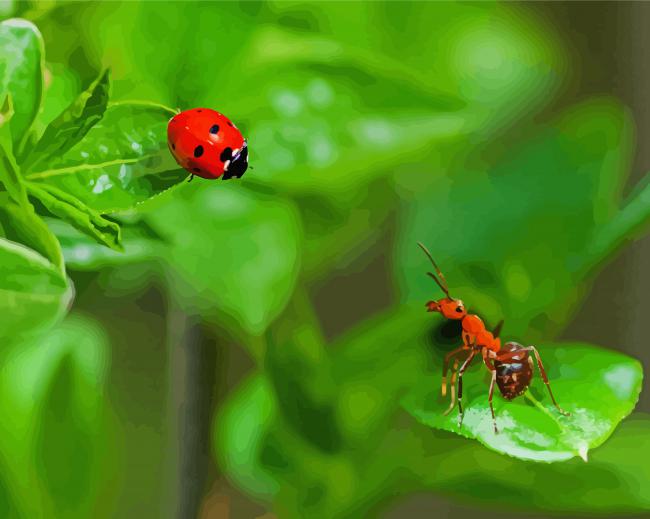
166	344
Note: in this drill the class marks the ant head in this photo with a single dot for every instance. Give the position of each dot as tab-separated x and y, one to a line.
449	307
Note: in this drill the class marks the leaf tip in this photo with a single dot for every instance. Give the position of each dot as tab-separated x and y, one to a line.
583	451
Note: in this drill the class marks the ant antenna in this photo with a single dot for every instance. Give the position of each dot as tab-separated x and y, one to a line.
440	280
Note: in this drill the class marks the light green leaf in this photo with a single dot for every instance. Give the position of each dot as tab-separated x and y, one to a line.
21	74
78	214
122	161
86	254
71	125
229	245
530	427
33	294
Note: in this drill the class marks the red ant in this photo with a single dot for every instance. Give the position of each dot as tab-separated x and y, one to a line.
511	365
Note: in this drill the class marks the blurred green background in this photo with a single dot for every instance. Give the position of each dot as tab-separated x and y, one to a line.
246	355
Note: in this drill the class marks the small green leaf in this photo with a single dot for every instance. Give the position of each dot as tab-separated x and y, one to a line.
72	124
598	387
23	225
21	74
631	221
238	436
86	254
79	215
122	161
33	294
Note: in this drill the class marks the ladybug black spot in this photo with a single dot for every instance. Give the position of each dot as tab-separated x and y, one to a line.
196	170
226	154
198	151
215	129
173	146
199	110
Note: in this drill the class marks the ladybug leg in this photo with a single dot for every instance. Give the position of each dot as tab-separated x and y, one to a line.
191	178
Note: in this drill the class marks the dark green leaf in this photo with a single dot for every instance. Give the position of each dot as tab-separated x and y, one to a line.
71	125
21	74
76	213
122	161
513	224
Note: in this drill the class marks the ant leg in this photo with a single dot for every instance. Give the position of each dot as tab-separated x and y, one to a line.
490	365
454	372
548	385
445	366
494	420
460	387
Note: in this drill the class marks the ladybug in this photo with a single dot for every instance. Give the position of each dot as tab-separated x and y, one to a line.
206	143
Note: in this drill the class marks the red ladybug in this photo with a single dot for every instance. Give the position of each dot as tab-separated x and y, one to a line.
206	143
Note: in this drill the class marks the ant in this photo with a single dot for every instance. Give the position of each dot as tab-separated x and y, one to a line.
511	365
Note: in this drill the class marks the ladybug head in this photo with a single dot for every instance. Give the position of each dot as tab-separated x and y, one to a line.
238	164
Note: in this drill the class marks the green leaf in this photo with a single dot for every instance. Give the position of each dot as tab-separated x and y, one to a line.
597	386
295	120
33	294
238	436
9	175
122	161
21	74
72	124
226	245
79	215
83	253
394	455
18	221
630	223
613	482
53	388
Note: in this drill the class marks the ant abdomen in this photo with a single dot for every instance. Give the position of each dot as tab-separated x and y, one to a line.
514	375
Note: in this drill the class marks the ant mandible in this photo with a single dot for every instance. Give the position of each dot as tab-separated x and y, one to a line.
510	365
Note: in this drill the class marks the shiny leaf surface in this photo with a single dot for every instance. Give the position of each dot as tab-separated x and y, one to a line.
122	161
